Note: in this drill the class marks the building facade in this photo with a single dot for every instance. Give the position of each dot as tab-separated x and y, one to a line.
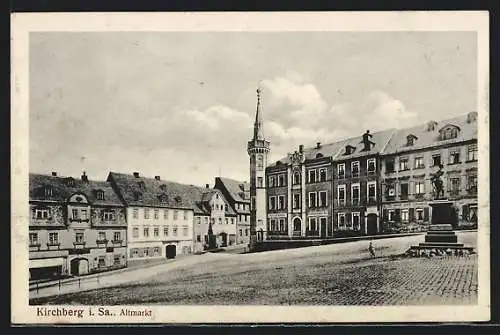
159	215
413	154
77	227
237	194
212	209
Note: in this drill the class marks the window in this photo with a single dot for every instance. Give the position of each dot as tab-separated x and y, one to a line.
75	213
281	180
156	231
102	262
246	232
271	181
355	169
197	220
165	231
323	199
472	183
206	220
391	215
174	230
341	171
341	220
341	194
348	224
419	187
176	214
156	251
241	232
390	190
419	162
472	152
389	165
296	177
355	221
272	225
41	213
227	220
156	214
109	216
146	213
33	237
198	238
135	232
322	174
454	156
404	191
135	213
253	204
282	226
101	236
48	191
355	194
100	195
117	236
83	213
232	220
371	166
454	186
372	193
146	252
296	201
312	176
79	237
165	214
420	214
260	182
313	225
404	215
272	203
260	162
403	164
135	253
185	230
281	202
436	160
312	199
146	231
186	215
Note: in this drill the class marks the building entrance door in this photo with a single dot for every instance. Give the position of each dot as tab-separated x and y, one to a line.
371	224
323	229
170	251
297	227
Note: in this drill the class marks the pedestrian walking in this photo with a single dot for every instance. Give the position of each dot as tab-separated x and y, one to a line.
370	249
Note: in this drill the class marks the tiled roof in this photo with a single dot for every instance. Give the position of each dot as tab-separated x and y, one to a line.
336	149
177	195
62	189
239	191
425	138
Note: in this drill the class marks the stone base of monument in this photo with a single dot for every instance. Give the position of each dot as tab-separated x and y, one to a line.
440	239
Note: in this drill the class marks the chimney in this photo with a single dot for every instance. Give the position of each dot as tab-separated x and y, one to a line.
54	174
84	177
301	148
136	174
157	178
318	145
207	186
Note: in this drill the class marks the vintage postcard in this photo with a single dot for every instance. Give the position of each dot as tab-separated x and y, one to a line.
300	167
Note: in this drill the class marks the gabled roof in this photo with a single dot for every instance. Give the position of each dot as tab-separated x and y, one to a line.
239	191
178	195
327	150
428	138
62	189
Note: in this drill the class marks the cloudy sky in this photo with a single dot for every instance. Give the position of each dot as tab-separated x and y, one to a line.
182	105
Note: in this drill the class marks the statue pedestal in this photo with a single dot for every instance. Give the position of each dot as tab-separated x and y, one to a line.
440	237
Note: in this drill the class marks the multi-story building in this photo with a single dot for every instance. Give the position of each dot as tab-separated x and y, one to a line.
211	208
237	195
357	184
159	215
413	154
77	226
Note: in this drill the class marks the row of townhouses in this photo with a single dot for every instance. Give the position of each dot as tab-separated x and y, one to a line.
80	226
364	185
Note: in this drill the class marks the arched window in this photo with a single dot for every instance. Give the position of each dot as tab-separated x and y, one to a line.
296	177
260	162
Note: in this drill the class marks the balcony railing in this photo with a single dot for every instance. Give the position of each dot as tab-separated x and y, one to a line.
53	244
101	241
117	241
79	244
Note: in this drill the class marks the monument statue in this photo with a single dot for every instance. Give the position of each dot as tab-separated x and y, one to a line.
437	182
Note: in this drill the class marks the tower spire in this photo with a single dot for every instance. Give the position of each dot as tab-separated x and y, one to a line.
258	130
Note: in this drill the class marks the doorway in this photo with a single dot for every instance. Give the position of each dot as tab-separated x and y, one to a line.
79	266
371	224
297	227
170	251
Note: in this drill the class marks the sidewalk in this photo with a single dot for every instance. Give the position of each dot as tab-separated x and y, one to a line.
111	278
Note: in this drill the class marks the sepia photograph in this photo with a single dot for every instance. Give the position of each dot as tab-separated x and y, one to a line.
244	167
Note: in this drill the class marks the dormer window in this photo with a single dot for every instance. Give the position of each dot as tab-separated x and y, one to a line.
48	191
163	198
278	163
449	132
319	155
141	185
70	182
431	126
178	199
99	195
471	117
410	139
137	196
349	149
163	187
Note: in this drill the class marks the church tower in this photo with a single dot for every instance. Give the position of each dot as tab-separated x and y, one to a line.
258	150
